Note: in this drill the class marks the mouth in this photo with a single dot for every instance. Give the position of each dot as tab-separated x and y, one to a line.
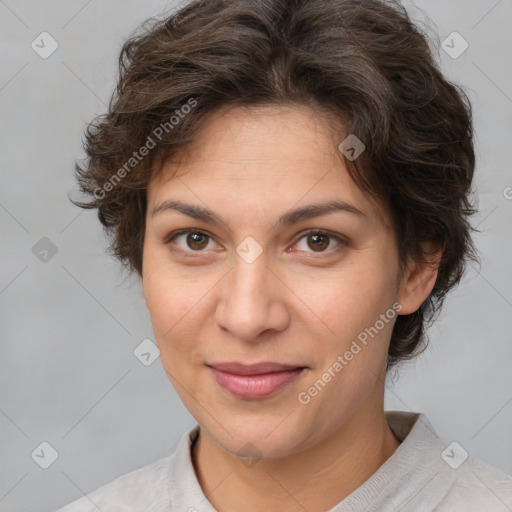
255	381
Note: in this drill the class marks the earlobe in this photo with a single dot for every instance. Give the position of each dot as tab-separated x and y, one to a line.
417	283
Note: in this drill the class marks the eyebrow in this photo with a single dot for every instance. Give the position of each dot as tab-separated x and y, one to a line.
287	219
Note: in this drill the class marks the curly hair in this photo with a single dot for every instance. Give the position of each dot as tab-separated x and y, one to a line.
364	63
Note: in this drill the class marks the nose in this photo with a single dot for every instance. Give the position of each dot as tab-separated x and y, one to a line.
252	301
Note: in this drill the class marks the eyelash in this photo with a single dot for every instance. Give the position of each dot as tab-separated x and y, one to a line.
191	253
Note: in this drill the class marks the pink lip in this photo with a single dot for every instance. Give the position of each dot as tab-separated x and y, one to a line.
254	381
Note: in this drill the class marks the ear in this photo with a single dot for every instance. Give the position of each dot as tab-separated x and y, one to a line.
418	281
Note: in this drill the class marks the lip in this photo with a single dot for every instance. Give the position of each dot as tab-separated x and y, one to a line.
254	381
253	369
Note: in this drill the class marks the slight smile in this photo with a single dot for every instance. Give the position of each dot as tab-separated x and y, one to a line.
256	380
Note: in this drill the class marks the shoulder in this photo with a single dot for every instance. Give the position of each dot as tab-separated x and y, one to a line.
475	486
145	488
426	473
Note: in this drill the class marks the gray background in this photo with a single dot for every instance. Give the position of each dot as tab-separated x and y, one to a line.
69	325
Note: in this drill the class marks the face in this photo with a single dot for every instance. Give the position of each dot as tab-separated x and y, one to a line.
242	286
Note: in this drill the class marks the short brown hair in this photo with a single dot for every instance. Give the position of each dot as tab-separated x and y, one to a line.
363	62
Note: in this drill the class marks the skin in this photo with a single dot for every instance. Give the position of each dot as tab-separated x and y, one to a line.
295	304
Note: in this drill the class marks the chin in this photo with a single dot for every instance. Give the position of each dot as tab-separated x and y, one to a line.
256	442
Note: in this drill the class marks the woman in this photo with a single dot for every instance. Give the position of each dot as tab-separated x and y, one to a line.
290	180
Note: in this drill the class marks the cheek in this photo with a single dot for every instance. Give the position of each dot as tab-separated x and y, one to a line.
350	304
178	307
171	308
165	298
168	292
347	301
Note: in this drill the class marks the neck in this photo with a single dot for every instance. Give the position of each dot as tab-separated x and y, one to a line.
315	479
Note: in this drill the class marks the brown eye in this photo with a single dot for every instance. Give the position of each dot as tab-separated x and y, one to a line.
318	242
188	241
197	241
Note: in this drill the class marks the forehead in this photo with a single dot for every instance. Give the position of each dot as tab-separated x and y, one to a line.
264	156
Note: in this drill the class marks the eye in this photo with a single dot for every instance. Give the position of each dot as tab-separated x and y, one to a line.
319	241
195	241
192	240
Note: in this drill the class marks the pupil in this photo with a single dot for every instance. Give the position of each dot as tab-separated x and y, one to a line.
318	243
192	240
